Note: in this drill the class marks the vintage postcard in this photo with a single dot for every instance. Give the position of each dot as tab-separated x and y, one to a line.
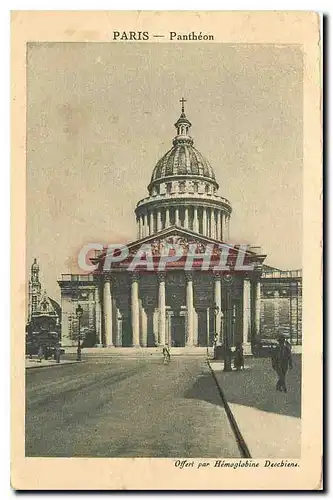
166	251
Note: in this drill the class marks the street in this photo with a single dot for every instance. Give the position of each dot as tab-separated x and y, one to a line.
126	408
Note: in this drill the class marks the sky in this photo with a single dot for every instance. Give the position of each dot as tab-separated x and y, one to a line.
100	115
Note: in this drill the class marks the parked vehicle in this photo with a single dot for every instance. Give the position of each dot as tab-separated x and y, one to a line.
32	349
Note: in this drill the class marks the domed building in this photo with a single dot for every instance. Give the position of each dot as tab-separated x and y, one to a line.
44	315
181	282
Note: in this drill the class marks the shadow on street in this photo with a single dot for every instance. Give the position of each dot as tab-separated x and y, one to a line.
254	387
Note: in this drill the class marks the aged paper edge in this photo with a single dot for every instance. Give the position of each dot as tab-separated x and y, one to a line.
157	473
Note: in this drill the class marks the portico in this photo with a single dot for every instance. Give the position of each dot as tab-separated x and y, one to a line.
184	308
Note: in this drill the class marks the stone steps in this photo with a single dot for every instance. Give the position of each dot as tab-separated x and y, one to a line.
139	351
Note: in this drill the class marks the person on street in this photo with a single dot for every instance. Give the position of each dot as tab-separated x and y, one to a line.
239	357
215	340
166	353
281	361
57	353
40	354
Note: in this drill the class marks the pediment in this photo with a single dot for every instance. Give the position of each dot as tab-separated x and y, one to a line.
186	239
185	244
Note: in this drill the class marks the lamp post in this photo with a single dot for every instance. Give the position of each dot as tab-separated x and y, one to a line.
229	325
79	312
216	311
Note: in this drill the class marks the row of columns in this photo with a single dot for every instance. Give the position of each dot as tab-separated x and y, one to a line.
207	221
139	317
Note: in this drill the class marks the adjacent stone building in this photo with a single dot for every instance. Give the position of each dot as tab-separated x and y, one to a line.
44	314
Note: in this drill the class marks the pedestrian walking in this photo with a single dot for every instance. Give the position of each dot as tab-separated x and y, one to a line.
40	354
239	357
215	340
281	362
166	354
57	353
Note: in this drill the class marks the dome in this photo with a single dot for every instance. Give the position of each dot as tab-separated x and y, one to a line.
183	192
184	160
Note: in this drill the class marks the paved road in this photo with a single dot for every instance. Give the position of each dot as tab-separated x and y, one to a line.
126	408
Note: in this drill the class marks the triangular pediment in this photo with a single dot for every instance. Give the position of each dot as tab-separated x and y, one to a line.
172	235
175	235
180	242
45	307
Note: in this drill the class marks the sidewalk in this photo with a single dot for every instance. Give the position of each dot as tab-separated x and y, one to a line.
269	420
34	363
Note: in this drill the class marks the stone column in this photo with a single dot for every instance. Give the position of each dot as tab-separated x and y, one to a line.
146	228
141	226
108	311
143	325
212	223
227	227
135	310
218	226
151	223
119	339
98	312
195	327
159	220
246	311
218	304
204	222
190	308
177	221
186	224
167	217
222	227
161	308
257	306
195	220
155	324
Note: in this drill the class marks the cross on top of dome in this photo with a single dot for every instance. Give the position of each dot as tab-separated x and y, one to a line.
183	125
182	100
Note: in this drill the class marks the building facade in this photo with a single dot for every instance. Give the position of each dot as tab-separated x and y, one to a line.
44	314
181	282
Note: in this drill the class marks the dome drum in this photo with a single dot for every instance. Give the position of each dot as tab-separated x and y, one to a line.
180	183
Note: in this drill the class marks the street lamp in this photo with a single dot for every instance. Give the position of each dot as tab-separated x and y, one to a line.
79	312
229	325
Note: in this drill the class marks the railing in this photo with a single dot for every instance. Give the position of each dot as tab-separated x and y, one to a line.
77	277
297	273
180	196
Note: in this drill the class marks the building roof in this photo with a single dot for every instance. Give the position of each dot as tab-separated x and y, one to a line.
183	159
